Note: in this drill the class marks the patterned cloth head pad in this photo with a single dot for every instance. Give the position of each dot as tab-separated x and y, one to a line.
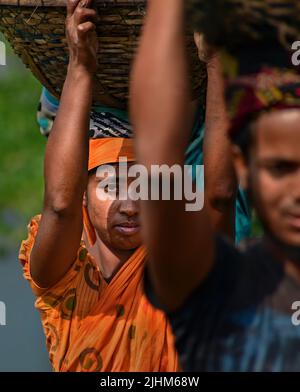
104	122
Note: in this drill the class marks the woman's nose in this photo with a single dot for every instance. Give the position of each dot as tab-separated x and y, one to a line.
129	207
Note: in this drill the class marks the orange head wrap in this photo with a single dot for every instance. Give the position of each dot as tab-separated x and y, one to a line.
101	152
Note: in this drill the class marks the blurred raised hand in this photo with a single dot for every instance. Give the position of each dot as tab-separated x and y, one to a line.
206	52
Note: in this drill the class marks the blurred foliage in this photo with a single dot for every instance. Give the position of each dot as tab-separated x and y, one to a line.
21	151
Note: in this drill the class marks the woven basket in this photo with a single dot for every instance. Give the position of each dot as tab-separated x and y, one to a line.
36	31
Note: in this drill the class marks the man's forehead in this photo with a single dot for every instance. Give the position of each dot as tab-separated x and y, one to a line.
278	127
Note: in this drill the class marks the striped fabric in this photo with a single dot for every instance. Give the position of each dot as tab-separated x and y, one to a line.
104	122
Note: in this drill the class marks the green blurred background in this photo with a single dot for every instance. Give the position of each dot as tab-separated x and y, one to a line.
22	150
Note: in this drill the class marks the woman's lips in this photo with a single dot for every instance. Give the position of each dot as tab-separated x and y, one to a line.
294	221
128	228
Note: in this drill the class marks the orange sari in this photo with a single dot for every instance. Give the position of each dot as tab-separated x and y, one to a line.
93	326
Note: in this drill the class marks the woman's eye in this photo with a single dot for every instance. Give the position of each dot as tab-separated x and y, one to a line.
282	168
113	187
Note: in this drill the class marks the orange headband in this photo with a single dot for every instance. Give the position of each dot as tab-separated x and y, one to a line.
109	150
102	152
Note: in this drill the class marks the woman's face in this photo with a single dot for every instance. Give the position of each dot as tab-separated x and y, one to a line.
272	174
117	222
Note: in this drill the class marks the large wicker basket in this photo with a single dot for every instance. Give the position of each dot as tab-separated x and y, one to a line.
36	31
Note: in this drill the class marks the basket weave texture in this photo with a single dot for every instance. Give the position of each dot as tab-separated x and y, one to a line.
36	31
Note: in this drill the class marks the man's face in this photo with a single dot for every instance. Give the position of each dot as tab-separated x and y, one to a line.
273	174
116	221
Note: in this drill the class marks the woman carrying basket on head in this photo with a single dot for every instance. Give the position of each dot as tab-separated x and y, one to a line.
84	256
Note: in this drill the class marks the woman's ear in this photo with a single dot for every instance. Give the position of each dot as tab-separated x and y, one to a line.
85	203
241	167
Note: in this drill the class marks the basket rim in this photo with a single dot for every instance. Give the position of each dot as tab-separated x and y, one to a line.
62	3
34	3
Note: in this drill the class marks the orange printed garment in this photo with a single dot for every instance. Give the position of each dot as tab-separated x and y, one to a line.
93	326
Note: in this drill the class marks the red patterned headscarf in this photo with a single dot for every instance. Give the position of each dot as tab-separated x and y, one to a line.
249	95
